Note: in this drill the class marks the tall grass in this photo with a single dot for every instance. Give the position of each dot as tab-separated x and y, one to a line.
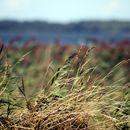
77	97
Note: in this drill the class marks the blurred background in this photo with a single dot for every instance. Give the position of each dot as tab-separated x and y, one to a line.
65	21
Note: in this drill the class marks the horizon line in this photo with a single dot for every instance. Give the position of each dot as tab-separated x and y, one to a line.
66	22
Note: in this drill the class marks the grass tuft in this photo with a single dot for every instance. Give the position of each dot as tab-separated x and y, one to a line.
77	98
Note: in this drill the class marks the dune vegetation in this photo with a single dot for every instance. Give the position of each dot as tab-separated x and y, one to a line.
69	87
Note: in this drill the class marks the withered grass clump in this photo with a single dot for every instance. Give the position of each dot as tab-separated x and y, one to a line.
77	97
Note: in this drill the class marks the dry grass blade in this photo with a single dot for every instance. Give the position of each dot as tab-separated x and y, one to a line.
1	50
22	88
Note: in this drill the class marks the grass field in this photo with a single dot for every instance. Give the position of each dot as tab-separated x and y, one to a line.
55	87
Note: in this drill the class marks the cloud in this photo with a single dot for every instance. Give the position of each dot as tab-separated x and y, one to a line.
14	5
112	6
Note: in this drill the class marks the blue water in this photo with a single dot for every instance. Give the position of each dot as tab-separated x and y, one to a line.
68	37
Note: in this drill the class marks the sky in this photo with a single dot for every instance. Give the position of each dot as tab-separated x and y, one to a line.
64	10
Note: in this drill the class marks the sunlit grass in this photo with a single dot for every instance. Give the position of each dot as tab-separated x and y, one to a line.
74	96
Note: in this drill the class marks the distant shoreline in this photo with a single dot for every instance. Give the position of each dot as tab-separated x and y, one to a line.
76	32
